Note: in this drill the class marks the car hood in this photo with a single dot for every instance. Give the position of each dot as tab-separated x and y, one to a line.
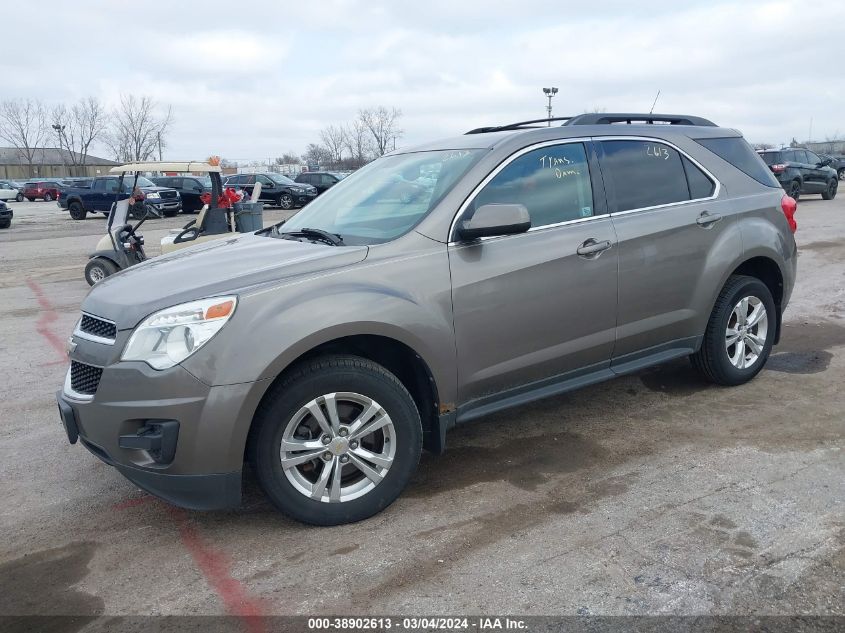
218	267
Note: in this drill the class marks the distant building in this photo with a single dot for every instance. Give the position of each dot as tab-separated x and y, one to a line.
49	162
826	147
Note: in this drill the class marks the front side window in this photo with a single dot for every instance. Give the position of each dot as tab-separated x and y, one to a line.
644	174
552	182
387	198
812	159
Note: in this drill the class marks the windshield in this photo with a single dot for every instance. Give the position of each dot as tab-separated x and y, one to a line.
281	180
205	182
385	199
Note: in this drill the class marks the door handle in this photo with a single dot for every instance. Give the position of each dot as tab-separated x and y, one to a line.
707	219
591	247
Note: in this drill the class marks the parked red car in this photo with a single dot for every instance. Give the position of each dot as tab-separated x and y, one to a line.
47	190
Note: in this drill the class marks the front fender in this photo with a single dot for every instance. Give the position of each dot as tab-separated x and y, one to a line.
402	299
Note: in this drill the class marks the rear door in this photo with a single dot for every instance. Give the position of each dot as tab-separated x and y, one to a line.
667	218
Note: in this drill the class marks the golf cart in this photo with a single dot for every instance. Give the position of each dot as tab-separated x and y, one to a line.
122	246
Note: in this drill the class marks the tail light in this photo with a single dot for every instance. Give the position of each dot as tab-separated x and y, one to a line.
779	168
789	206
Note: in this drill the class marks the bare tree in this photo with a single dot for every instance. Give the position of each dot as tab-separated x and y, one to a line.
137	132
382	125
316	155
288	158
23	124
78	127
357	139
334	140
763	146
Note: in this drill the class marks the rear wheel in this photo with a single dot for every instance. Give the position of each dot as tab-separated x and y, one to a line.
48	197
336	441
830	192
794	189
77	212
19	197
98	269
740	333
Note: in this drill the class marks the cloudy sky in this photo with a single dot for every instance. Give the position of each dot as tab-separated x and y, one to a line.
251	80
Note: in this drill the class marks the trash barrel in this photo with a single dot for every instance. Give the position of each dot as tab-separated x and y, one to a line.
249	216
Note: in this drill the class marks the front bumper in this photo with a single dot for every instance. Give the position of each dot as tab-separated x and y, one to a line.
6	214
166	205
202	468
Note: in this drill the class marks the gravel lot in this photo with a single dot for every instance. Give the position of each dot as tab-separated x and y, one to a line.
652	494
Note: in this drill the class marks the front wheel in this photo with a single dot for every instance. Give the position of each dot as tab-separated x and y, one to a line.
286	201
98	269
830	192
740	333
336	441
5	224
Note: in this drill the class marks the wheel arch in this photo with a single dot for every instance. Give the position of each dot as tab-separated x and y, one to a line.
769	272
396	356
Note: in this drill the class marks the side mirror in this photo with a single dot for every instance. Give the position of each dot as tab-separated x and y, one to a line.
824	163
495	219
198	189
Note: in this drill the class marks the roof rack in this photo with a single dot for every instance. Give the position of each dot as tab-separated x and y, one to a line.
517	125
601	118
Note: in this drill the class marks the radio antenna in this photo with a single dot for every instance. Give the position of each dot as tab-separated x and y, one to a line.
655	103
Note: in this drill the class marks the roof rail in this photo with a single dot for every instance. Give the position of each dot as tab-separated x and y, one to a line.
600	118
517	125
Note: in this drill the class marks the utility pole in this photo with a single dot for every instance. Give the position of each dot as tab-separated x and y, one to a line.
158	138
59	130
550	92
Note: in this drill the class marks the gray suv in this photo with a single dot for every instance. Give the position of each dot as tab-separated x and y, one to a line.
434	286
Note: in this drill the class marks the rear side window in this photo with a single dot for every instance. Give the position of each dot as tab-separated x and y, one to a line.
700	185
644	174
552	182
739	153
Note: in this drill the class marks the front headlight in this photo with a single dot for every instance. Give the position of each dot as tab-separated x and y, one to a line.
153	195
296	191
169	336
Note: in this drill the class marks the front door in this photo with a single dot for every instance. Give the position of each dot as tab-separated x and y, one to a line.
529	308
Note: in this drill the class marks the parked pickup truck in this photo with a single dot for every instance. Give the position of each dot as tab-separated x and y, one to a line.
98	198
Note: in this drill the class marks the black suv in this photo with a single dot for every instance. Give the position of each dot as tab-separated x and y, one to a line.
800	171
275	189
321	180
189	187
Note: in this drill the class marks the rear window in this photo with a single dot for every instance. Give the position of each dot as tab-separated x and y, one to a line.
740	154
770	158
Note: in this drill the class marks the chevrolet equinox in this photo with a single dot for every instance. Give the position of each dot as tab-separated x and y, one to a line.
436	285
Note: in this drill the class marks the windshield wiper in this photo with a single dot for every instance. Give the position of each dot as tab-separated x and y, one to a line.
332	238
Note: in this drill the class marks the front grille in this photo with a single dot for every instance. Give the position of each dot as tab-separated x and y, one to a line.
98	327
168	194
84	378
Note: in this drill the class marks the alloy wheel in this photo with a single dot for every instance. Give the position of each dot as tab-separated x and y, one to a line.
745	335
338	447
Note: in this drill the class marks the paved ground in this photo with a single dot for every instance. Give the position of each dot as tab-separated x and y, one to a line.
652	494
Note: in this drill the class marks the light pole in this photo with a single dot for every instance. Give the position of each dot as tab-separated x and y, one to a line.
59	130
550	92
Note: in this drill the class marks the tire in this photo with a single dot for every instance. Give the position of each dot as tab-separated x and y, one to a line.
48	197
77	212
19	197
285	201
830	192
714	360
794	189
5	224
98	268
358	385
840	174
